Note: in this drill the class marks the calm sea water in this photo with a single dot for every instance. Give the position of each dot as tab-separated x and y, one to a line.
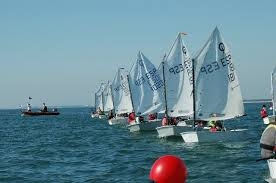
72	147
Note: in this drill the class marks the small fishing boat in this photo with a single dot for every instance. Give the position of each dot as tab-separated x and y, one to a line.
39	113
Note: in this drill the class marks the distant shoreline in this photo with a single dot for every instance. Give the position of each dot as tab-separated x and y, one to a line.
256	100
92	107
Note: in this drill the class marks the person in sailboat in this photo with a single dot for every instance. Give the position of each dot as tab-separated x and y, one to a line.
110	114
268	141
152	116
44	108
99	111
212	121
263	112
29	108
165	120
131	117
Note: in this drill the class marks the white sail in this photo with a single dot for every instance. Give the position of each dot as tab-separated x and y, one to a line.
273	89
217	85
99	97
146	86
107	97
179	80
121	94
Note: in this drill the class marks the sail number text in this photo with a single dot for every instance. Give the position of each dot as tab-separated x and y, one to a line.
123	86
217	65
152	78
176	69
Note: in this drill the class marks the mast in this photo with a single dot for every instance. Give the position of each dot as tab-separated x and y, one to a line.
103	100
130	93
102	97
112	97
273	99
95	102
194	97
164	81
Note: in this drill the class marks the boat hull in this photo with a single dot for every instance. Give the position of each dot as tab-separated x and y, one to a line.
218	136
172	130
102	116
39	113
272	170
145	126
94	115
118	121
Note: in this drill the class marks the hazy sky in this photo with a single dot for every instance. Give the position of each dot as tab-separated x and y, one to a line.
59	51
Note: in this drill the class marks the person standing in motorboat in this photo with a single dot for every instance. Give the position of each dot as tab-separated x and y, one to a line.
44	108
268	141
29	108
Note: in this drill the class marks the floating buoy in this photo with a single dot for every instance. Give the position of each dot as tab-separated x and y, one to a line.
168	169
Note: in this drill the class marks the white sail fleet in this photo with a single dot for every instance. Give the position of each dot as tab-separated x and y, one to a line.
188	97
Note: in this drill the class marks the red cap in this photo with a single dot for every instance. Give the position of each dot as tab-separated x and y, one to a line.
168	169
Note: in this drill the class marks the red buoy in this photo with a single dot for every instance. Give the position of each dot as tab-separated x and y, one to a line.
168	169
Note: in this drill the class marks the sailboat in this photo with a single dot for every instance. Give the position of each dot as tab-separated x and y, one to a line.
217	91
272	118
121	98
107	99
178	87
146	88
99	103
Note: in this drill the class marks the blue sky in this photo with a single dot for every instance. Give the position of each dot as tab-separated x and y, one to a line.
59	52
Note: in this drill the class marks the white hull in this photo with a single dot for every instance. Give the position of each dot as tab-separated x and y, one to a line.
219	136
172	130
118	121
146	126
102	117
94	115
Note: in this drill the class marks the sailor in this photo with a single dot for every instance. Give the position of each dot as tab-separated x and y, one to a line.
268	141
44	109
29	108
110	115
165	120
212	121
168	169
263	112
131	117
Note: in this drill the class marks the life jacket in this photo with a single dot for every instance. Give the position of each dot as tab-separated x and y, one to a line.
263	113
131	117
